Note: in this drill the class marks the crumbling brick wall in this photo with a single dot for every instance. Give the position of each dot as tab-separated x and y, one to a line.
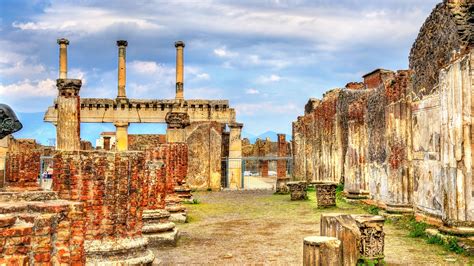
110	184
141	142
22	166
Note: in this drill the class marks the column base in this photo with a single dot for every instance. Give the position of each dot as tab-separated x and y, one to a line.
158	229
399	209
356	195
123	251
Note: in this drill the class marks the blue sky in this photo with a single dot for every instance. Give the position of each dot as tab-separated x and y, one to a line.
266	57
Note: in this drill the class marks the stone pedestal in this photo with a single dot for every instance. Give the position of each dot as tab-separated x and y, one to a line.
184	193
177	210
298	190
158	229
281	186
362	236
321	250
325	194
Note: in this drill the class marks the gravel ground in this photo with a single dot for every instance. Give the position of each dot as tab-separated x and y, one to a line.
259	228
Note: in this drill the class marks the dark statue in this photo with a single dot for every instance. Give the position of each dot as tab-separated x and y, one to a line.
9	123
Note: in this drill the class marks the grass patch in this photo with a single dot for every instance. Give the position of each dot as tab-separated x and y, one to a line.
194	201
374	210
370	262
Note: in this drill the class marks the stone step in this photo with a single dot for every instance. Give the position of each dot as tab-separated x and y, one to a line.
178	217
158	227
169	238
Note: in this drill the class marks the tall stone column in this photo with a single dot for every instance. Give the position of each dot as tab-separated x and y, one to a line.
282	151
68	129
179	70
235	156
122	44
121	136
63	43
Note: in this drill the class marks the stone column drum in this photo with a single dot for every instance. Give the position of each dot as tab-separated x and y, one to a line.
321	250
325	194
298	190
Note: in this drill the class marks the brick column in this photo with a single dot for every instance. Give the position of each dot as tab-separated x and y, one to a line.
282	152
68	130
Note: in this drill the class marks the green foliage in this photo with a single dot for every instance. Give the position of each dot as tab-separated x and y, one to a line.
310	189
194	201
370	262
340	193
374	210
436	239
453	245
417	229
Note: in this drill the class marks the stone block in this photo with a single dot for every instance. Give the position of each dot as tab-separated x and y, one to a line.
298	190
321	250
325	194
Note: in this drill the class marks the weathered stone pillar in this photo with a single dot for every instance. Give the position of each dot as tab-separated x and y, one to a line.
179	70
264	168
321	250
361	236
63	43
325	194
298	190
235	156
68	130
121	69
282	152
121	136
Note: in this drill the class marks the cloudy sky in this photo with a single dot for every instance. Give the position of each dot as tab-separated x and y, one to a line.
266	57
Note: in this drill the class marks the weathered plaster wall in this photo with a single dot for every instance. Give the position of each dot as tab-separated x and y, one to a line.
204	159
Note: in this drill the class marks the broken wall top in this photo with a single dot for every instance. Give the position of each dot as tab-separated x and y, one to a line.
450	27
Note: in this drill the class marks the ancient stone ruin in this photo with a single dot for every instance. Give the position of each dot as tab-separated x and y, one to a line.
402	139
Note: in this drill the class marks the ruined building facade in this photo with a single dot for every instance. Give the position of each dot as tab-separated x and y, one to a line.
404	138
203	124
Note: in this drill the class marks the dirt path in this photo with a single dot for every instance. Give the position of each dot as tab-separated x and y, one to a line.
257	227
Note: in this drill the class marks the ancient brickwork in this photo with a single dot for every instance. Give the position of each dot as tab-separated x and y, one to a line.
141	142
22	165
282	152
406	135
447	31
38	229
110	184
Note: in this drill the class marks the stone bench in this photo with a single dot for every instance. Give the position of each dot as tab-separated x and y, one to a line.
361	236
297	190
325	194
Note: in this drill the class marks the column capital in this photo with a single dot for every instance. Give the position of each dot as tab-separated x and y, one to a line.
122	43
121	123
177	120
236	125
179	44
63	41
68	87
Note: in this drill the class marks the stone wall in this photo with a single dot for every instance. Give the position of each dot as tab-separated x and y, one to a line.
204	141
447	31
405	136
140	142
22	165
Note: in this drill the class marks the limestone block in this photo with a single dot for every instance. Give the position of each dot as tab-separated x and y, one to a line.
321	250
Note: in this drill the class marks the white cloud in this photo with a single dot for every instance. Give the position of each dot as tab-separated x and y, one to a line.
77	19
252	91
223	52
29	96
266	108
268	79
